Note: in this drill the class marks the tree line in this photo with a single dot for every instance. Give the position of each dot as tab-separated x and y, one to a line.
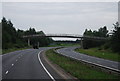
12	38
114	39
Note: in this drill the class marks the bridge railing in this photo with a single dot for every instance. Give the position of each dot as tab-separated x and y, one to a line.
65	35
76	35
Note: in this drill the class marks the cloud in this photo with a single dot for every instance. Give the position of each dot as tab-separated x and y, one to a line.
62	17
60	0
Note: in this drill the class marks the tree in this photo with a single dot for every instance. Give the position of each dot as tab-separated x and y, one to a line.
12	38
89	43
115	40
103	32
88	33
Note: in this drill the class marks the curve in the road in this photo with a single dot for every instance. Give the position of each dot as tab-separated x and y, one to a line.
26	64
45	67
69	52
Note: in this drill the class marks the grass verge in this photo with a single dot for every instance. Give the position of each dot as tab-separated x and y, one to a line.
62	44
11	50
77	69
105	54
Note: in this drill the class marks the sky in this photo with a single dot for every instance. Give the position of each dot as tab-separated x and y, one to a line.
61	17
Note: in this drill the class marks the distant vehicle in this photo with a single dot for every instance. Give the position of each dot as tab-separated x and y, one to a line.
35	46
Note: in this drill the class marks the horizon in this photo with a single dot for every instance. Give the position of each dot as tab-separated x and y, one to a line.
61	17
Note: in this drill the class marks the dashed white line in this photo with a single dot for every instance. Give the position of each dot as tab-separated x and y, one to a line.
44	67
6	72
12	64
16	60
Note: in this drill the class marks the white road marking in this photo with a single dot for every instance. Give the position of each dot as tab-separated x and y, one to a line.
6	72
16	60
12	64
58	51
44	67
94	63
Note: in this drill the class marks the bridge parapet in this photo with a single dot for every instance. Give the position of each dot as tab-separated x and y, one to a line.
65	35
75	35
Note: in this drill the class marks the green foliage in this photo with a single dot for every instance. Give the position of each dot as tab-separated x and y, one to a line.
78	69
89	43
4	51
102	32
115	40
42	40
9	34
88	33
98	52
113	43
12	38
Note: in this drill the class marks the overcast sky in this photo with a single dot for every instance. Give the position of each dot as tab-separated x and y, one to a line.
61	17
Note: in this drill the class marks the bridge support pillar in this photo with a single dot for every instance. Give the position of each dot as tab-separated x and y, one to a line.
38	44
81	43
28	42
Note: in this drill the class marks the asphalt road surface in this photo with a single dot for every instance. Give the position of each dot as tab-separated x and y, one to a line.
69	52
27	64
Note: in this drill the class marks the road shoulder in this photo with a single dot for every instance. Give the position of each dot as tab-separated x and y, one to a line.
57	69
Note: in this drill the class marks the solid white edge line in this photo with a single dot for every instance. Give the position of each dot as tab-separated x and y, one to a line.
95	64
44	67
92	63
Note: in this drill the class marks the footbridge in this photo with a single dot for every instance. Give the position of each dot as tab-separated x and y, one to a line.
64	36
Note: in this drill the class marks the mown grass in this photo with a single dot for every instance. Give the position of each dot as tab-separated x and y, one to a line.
77	69
105	54
63	44
11	50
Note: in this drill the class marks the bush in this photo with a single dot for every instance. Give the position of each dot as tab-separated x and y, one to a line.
115	41
89	43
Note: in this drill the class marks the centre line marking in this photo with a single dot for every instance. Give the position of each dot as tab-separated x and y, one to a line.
44	67
12	64
6	72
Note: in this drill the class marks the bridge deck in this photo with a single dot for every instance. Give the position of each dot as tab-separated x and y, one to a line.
65	36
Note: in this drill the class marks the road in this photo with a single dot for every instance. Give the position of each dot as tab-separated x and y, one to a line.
27	64
69	52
